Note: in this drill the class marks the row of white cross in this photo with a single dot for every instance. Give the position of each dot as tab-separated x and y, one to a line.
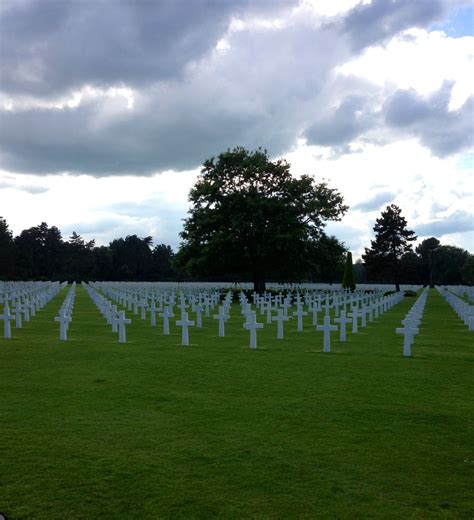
26	303
411	322
65	313
380	306
463	309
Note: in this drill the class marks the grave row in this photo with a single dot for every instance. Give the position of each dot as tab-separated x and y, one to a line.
463	309
346	307
26	299
411	322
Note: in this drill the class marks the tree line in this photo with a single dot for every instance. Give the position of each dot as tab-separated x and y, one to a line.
41	253
249	220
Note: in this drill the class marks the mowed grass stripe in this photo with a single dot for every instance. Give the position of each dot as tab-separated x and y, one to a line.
95	429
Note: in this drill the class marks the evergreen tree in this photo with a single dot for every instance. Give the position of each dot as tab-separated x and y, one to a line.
348	281
392	241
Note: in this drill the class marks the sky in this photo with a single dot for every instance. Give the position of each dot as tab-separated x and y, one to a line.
108	108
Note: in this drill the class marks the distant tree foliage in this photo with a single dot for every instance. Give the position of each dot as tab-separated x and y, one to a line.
250	217
392	242
40	253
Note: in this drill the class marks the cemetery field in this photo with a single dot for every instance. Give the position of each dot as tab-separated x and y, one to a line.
91	428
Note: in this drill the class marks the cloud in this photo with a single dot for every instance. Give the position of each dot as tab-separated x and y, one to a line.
343	124
49	47
377	22
134	88
458	222
441	130
33	189
375	202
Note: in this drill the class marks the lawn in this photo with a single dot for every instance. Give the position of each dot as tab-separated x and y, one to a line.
91	428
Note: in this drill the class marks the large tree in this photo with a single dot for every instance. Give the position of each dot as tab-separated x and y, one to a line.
251	217
392	242
131	257
427	253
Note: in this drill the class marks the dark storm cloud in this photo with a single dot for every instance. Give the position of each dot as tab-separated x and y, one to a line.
343	124
270	87
377	22
443	131
458	222
374	203
49	47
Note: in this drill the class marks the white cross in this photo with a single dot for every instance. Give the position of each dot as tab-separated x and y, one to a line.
299	313
408	336
121	322
18	311
222	317
26	311
363	315
252	325
327	328
184	323
153	310
142	306
280	319
342	320
166	315
63	320
198	316
7	317
354	315
114	318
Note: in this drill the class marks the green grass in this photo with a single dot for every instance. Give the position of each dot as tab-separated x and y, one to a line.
91	428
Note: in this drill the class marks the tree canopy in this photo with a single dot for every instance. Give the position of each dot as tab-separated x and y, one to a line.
251	217
392	242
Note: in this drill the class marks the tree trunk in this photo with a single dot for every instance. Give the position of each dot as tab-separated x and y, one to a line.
258	283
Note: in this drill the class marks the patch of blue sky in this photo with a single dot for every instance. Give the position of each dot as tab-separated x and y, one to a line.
460	22
466	161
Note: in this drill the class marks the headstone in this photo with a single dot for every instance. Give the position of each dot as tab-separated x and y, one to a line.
121	322
252	326
280	318
184	323
222	317
63	320
408	336
166	315
299	313
7	317
342	320
327	328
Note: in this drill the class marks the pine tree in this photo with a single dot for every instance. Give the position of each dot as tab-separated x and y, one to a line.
348	281
392	241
